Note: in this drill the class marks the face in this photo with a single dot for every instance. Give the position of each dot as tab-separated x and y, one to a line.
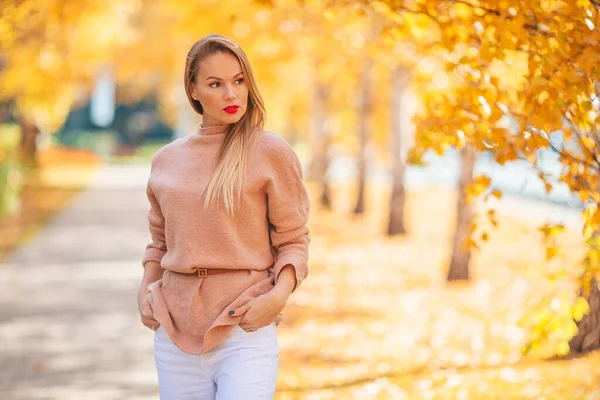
219	84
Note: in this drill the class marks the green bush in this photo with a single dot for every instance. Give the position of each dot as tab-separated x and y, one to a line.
11	173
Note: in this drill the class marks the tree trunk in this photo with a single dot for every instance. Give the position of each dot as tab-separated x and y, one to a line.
364	112
5	109
28	149
321	141
396	220
461	257
588	328
588	336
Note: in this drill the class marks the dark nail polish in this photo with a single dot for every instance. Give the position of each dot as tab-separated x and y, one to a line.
231	312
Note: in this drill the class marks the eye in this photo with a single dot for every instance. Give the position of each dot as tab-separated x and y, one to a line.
217	83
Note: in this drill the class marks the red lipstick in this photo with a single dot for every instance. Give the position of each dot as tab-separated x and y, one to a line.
231	109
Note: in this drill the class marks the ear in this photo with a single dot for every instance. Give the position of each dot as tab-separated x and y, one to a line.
193	92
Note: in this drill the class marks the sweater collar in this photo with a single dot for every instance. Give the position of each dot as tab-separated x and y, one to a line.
211	130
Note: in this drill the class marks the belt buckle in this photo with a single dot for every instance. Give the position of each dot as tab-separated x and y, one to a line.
202	272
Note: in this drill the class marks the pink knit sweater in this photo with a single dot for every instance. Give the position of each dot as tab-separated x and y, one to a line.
267	232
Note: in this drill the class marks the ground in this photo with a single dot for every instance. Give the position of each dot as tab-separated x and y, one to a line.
374	319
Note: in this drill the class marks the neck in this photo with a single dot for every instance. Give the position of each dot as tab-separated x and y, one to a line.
212	129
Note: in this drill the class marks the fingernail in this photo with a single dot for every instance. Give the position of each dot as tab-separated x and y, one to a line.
231	312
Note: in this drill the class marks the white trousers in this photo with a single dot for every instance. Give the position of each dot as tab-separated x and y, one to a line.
243	366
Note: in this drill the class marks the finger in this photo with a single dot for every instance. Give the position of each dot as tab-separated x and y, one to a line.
249	328
153	326
147	313
279	318
149	319
240	310
246	327
149	303
149	322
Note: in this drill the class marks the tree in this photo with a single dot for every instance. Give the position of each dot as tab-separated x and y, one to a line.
399	79
51	51
364	119
321	139
537	63
461	251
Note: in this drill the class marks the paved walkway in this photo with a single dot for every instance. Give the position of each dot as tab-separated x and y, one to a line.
69	325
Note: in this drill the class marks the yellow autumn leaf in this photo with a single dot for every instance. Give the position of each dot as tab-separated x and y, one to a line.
479	185
552	231
589	228
588	142
563	348
567	132
570	328
551	252
580	308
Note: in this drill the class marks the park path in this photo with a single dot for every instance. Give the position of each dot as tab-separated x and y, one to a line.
69	325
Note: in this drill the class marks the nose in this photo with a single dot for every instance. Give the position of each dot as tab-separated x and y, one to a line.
229	92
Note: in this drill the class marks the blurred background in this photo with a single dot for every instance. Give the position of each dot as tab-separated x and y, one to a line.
450	148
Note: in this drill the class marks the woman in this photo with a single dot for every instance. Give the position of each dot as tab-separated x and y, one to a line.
228	215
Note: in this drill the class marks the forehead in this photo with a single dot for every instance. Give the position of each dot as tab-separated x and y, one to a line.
222	65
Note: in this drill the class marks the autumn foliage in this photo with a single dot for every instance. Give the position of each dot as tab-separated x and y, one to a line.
513	78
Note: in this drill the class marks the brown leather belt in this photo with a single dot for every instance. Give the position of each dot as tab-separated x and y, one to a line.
204	272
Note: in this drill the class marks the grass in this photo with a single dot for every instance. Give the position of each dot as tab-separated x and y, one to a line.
63	172
45	191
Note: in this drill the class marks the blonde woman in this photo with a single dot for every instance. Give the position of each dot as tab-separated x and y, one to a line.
228	215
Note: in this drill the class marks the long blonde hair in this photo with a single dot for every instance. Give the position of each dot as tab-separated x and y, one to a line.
228	179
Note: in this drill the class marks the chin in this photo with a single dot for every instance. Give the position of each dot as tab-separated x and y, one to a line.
236	117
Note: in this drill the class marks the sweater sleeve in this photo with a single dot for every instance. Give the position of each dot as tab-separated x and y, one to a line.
288	208
156	249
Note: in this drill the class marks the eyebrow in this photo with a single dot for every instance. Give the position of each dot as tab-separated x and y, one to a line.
214	77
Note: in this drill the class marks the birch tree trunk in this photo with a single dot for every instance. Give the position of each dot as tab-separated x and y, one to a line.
364	115
461	257
399	78
321	141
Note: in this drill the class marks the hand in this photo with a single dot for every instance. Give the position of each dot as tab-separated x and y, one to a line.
261	311
153	273
146	312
